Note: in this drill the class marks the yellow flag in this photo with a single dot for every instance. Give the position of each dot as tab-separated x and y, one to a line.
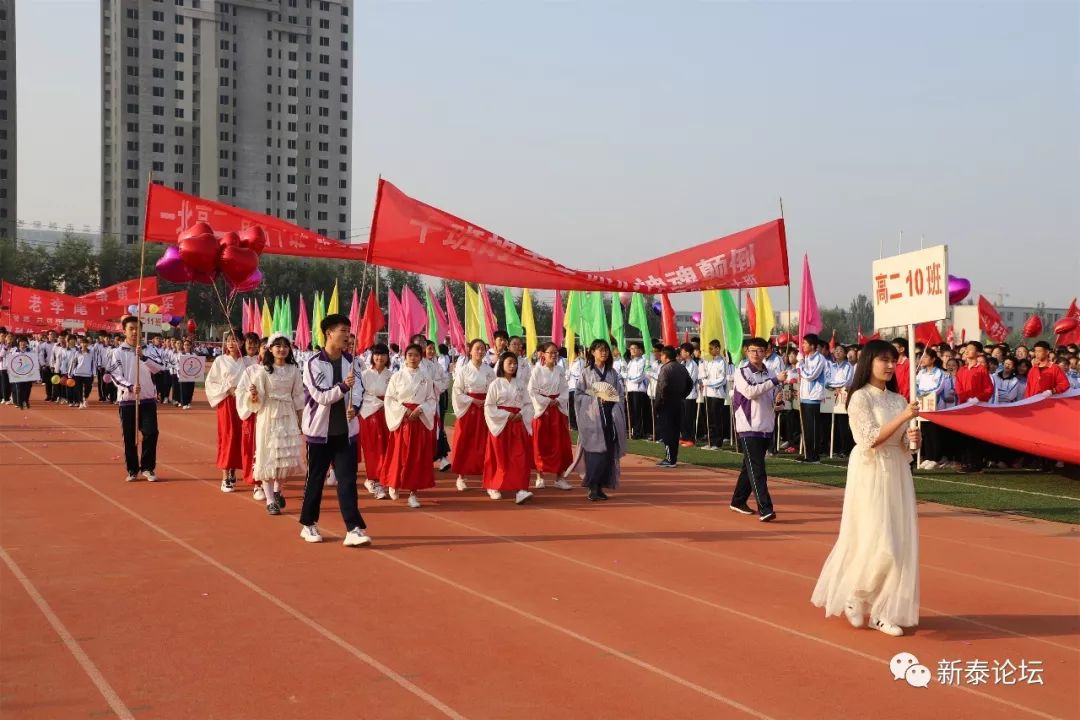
712	320
764	313
472	314
569	319
528	322
332	308
267	320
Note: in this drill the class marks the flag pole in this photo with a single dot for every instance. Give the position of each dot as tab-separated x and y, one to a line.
138	312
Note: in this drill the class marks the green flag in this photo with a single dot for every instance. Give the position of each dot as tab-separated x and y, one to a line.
639	319
594	321
510	313
618	328
572	321
733	328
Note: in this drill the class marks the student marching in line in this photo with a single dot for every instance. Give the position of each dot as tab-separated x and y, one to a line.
374	435
273	392
574	367
471	383
65	356
439	376
838	376
508	459
601	421
83	367
5	349
136	389
21	352
411	404
874	566
550	395
255	349
221	383
187	389
754	401
330	427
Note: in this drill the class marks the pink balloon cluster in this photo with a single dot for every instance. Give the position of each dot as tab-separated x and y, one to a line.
199	256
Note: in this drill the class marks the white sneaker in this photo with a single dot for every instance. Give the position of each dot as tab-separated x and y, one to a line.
369	485
930	465
331	481
258	493
461	485
442	464
494	494
853	611
539	484
380	492
82	405
414	500
226	486
150	476
522	496
392	492
563	485
185	407
887	628
355	538
310	533
131	477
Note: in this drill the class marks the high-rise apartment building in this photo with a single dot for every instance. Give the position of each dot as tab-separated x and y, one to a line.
8	184
246	101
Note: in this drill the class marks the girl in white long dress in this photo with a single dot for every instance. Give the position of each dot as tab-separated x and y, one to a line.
874	566
274	393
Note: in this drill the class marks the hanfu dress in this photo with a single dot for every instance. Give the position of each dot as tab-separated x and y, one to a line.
470	430
220	386
552	450
374	435
247	427
508	461
407	465
875	560
279	446
441	379
601	429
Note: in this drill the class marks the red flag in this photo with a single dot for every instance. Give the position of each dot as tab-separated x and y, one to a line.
1073	336
832	341
928	334
668	332
863	339
372	323
950	336
751	315
990	321
686	336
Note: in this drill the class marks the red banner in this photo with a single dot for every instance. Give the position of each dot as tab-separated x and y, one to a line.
174	303
990	321
169	212
409	235
127	291
28	306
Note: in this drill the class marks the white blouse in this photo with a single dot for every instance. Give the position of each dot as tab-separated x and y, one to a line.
544	383
410	386
508	393
469	379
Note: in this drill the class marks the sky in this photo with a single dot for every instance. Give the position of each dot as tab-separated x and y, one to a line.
605	133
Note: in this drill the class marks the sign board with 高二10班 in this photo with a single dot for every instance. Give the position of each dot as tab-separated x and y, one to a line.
911	288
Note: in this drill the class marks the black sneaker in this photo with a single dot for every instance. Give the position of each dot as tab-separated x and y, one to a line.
601	495
279	500
768	517
665	464
273	509
743	509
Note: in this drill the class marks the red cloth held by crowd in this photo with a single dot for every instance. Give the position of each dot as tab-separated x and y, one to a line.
973	382
1050	378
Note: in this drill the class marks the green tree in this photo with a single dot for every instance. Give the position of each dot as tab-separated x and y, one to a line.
74	266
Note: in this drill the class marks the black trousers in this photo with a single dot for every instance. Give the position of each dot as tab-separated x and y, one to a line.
842	440
50	389
689	420
811	416
638	402
753	477
187	391
573	412
338	452
20	393
149	428
972	453
83	387
669	421
717	416
5	386
177	394
101	384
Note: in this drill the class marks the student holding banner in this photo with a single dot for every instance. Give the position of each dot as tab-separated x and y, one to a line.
189	370
23	371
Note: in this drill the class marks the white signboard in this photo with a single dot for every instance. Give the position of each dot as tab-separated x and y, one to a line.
911	288
73	324
190	368
966	323
151	322
23	367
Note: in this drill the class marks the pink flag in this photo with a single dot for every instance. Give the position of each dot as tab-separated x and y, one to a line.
256	317
354	311
243	316
457	332
437	333
395	319
303	332
557	320
489	314
809	314
415	313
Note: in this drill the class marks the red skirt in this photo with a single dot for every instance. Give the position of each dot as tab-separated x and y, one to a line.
509	459
471	436
551	441
374	439
407	465
229	455
247	448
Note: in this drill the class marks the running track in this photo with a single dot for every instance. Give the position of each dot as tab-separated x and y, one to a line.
175	601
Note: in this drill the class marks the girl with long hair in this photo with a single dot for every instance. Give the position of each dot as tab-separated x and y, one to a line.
471	382
508	459
550	395
874	565
601	418
221	383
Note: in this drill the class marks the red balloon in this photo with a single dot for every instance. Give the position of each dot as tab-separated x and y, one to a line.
253	238
238	263
782	340
204	278
229	239
1033	327
1065	324
199	250
191	326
